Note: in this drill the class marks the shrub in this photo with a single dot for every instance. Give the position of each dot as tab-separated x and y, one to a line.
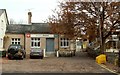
92	52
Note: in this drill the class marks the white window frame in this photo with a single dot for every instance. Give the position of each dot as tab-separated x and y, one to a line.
35	41
15	41
63	42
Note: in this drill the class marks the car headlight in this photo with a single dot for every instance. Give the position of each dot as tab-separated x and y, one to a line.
32	50
40	50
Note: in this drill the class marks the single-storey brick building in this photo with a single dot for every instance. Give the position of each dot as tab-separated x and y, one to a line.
35	36
32	36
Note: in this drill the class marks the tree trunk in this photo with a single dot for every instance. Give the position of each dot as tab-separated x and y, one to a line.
102	43
102	47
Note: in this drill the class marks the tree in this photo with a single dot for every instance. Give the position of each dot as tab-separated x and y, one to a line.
12	21
21	22
105	14
95	19
63	21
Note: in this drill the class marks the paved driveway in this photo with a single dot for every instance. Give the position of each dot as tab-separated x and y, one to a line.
77	64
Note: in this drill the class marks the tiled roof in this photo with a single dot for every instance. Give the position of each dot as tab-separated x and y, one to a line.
24	28
4	10
1	11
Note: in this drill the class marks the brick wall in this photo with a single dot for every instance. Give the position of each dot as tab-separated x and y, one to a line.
8	38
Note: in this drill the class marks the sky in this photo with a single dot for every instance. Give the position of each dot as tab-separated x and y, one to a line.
18	9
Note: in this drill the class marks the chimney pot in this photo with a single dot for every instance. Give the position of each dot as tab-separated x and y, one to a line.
29	17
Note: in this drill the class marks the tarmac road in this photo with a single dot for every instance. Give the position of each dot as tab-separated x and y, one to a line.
77	64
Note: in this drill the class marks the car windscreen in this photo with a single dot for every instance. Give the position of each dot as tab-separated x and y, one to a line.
36	50
16	47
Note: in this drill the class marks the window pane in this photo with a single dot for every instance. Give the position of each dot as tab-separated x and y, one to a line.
12	42
12	39
67	43
19	43
61	44
31	38
38	43
64	44
15	39
32	44
35	44
18	39
15	42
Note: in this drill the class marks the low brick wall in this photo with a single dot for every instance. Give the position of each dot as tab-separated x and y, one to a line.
112	57
66	53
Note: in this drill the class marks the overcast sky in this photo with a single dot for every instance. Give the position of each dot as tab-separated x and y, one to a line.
17	9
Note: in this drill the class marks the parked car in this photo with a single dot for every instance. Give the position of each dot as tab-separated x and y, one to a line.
36	53
2	53
16	51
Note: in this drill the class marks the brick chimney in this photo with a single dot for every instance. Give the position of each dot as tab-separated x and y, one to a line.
29	17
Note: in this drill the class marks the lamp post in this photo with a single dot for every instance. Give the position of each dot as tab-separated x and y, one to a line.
101	16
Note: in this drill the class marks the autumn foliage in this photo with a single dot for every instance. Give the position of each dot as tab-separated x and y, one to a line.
90	19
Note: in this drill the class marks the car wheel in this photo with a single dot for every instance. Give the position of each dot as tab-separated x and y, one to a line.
22	57
30	57
10	57
41	57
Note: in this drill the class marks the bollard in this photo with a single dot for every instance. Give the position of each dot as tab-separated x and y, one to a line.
44	53
57	54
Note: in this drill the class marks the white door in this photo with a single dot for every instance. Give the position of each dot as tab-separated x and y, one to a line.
78	45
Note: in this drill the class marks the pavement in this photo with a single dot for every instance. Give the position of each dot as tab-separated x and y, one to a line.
80	63
111	67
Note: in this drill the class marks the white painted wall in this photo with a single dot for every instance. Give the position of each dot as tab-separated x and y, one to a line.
3	23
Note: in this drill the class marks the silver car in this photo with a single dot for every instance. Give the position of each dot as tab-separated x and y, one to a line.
36	53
